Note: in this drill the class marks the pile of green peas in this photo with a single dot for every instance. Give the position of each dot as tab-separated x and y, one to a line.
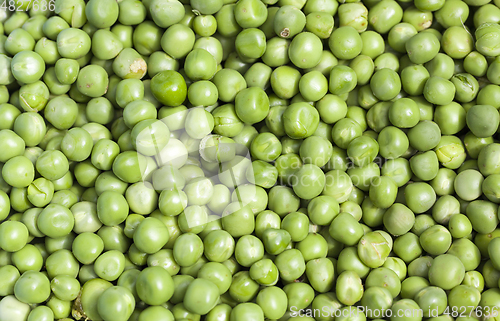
249	160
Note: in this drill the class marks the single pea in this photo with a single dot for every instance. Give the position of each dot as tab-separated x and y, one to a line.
14	236
289	21
439	91
32	280
425	165
398	219
424	136
345	43
481	215
382	192
305	50
290	264
419	197
129	64
243	288
65	287
112	208
27	67
116	302
349	288
347	223
384	15
109	265
18	172
450	151
404	113
446	271
87	247
373	249
13	143
252	105
300	120
384	278
102	15
285	81
385	84
250	44
476	120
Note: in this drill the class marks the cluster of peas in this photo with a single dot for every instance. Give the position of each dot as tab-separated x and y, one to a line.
249	160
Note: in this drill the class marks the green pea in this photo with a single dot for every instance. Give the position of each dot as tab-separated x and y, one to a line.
65	287
343	79
407	247
32	280
264	272
87	247
192	300
385	84
247	311
110	265
28	258
237	211
290	264
289	21
384	15
432	134
11	275
305	50
102	15
62	262
404	113
14	144
475	120
86	219
116	302
446	271
285	81
112	208
349	288
373	249
40	192
345	43
482	217
308	182
129	64
351	229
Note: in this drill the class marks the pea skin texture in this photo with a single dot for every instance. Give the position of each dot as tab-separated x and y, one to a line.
238	160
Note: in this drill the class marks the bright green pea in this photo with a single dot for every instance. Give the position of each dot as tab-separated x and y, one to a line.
289	21
87	247
112	208
385	84
116	303
18	172
291	264
343	79
65	287
446	271
384	15
32	280
349	288
55	221
109	265
425	136
419	197
13	145
345	43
